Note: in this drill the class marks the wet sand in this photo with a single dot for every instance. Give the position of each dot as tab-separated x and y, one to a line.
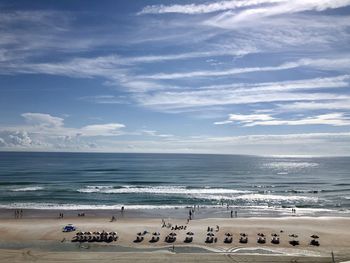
42	240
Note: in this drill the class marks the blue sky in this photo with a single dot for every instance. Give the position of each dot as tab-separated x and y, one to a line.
267	77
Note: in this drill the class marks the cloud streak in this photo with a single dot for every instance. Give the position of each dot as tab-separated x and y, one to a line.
204	8
334	63
333	119
271	7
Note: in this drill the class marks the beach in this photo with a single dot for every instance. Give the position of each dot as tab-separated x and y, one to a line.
40	239
248	195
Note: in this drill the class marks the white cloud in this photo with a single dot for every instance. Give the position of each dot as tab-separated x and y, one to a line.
223	51
109	129
295	144
191	99
44	120
231	18
250	120
312	105
47	132
326	63
289	85
15	139
271	7
204	8
333	119
106	99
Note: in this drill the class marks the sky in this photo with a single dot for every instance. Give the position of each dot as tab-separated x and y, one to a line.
260	77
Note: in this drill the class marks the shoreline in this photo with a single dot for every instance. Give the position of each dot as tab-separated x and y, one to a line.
44	236
178	213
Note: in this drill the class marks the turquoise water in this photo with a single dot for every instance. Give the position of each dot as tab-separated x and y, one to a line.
108	181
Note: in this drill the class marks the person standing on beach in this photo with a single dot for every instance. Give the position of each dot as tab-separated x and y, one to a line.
236	213
231	213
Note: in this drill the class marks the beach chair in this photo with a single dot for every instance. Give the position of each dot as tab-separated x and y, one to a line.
261	240
314	242
209	240
243	240
275	240
188	239
138	239
294	242
154	239
228	240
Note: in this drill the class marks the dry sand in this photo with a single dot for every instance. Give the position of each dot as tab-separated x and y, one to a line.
23	239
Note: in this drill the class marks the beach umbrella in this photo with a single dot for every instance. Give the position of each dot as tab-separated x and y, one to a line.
172	234
274	235
189	233
243	234
293	235
315	236
228	234
210	234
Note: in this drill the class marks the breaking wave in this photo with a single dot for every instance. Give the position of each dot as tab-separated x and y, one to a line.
27	189
108	189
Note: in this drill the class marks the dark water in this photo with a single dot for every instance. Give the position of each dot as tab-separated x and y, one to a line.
107	181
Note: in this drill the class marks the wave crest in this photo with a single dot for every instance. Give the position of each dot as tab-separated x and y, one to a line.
28	189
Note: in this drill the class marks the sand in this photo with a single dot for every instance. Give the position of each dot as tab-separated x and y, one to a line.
42	240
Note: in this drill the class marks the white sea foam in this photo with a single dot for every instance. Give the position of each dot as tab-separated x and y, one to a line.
27	189
259	197
270	197
53	206
290	165
158	190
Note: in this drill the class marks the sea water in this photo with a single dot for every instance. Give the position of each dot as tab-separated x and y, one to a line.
145	181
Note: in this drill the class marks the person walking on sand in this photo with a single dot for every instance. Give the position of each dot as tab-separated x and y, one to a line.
231	213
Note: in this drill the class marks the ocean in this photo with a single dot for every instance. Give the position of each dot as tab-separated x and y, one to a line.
83	181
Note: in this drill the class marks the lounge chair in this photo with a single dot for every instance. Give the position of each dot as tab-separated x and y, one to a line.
261	240
314	242
275	240
188	239
154	239
243	240
110	239
228	240
294	242
138	239
170	239
209	240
